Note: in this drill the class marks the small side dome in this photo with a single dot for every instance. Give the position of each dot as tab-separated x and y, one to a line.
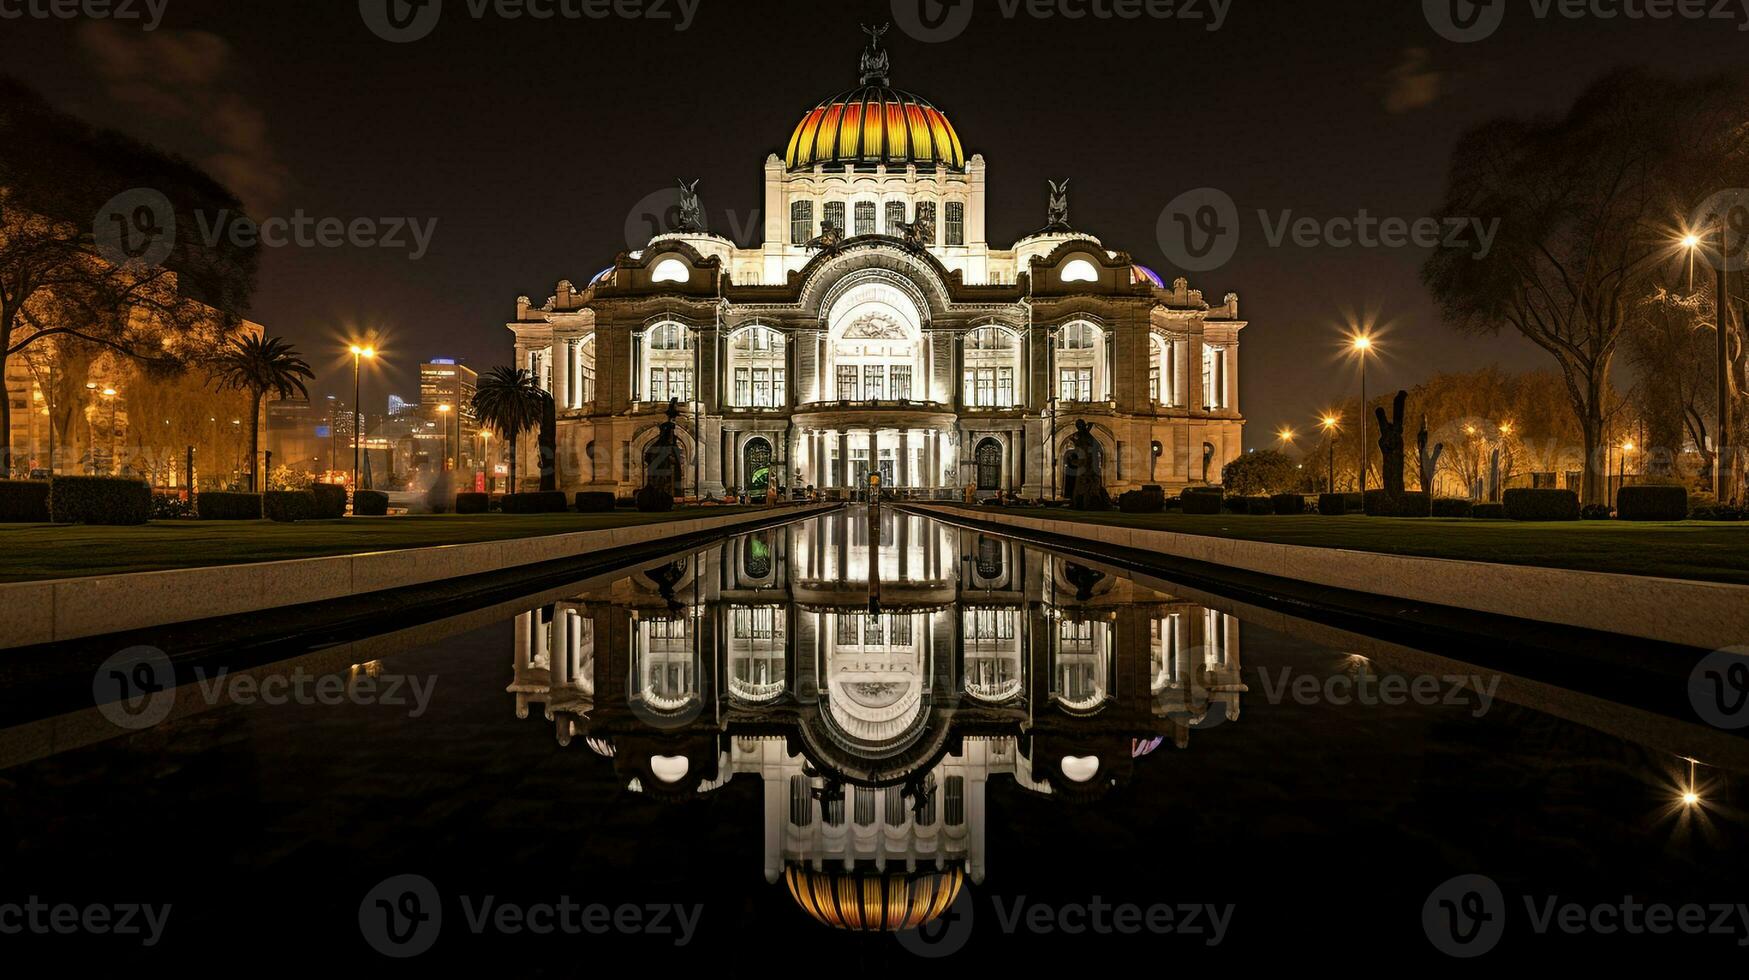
874	901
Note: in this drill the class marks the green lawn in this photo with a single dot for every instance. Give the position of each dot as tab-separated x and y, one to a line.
1714	552
39	551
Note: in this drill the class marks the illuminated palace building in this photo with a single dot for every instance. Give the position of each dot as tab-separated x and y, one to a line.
877	328
875	677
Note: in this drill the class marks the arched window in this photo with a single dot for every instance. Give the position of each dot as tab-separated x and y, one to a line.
671	270
876	350
667	369
757	373
1082	368
757	466
989	558
992	368
1080	270
989	459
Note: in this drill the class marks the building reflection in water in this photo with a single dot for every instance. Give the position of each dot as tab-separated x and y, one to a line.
875	675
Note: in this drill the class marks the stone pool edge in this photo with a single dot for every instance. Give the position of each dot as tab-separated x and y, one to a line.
55	610
1708	615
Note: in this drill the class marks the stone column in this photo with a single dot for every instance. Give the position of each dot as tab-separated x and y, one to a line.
843	467
874	451
904	468
735	460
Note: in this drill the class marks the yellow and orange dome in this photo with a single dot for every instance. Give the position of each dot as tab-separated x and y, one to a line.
875	124
872	901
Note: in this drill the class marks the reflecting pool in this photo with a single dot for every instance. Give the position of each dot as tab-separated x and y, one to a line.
885	740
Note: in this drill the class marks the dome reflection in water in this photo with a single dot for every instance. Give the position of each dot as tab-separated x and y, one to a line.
874	675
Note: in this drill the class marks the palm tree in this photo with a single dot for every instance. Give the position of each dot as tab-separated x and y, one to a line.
259	365
510	402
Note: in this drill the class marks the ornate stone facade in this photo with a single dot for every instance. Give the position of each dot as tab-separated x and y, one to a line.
907	345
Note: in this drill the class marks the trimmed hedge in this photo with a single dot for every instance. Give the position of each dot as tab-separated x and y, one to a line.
653	501
1488	512
595	502
1288	504
1148	500
1652	503
1380	503
1595	512
551	502
24	501
1340	504
330	501
108	500
1452	507
473	503
216	505
370	503
288	506
1524	504
1201	501
1256	506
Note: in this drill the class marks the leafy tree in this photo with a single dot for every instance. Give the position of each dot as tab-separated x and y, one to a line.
56	176
510	402
1587	203
1264	472
1670	347
259	365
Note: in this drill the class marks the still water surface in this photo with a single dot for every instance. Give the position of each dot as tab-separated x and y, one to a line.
803	740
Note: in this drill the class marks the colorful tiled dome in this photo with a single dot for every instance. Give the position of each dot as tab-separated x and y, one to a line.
872	901
875	124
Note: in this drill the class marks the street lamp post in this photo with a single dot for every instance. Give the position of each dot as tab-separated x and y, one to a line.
1721	320
1362	346
1330	428
443	458
358	355
109	395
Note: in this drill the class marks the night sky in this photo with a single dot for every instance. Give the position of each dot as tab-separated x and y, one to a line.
530	142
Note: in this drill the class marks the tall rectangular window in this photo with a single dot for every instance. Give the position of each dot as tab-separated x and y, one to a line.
1005	387
835	214
895	218
743	386
865	217
847	382
956	223
762	388
1154	384
874	382
901	382
779	395
801	222
1214	377
1076	385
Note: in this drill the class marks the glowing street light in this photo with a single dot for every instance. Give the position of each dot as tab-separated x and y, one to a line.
1362	345
1285	436
1692	243
444	411
359	354
1332	424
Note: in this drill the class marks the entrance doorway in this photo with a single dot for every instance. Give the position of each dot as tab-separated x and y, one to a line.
989	460
756	463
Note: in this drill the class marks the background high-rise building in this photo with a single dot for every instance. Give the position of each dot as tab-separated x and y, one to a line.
443	381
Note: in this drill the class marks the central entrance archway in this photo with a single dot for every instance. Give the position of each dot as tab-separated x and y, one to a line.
756	460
